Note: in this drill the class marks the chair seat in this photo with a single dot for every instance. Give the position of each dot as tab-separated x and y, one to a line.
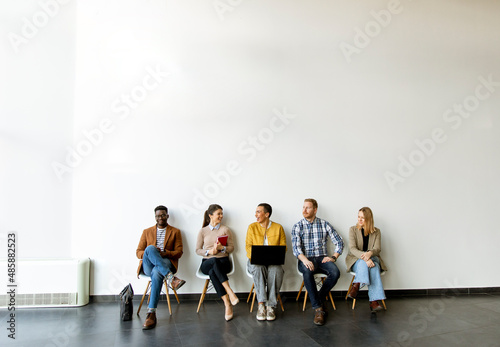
382	273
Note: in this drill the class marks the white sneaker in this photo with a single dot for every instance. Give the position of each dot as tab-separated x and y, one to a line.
261	312
270	313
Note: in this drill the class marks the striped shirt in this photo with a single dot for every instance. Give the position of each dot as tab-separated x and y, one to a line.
160	238
310	238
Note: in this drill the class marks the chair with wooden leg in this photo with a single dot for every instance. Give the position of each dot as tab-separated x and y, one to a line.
350	286
254	294
208	285
317	276
148	291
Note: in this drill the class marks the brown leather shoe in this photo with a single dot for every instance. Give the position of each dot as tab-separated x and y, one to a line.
150	322
177	283
319	316
353	293
375	306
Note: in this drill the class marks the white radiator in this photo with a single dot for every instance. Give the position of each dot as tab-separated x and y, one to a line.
48	283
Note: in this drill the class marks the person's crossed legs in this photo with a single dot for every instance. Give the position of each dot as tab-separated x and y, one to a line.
159	269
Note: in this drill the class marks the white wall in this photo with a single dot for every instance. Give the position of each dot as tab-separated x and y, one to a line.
36	116
227	79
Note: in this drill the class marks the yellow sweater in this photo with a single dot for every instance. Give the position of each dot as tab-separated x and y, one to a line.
255	236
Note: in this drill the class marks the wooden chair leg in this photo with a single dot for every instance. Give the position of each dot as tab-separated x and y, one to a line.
203	295
281	303
253	301
300	291
331	299
175	293
168	297
250	295
383	303
353	303
305	301
142	300
349	289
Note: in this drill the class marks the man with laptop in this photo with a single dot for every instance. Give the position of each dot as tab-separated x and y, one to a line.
266	247
309	239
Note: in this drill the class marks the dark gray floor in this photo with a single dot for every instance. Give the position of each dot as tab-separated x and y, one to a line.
472	320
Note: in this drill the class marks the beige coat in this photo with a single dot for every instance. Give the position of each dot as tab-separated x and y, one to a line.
356	247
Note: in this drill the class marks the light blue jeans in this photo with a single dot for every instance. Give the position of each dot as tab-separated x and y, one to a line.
370	277
157	268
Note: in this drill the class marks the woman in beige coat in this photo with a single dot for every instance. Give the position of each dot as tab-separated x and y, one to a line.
364	258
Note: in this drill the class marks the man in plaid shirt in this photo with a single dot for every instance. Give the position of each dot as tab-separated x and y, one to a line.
309	238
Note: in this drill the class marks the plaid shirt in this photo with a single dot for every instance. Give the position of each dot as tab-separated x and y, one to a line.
310	238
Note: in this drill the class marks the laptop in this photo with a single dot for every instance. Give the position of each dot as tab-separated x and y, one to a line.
268	255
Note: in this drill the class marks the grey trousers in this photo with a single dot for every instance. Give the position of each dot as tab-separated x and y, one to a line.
272	276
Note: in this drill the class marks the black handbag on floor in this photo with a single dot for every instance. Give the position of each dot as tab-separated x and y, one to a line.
126	306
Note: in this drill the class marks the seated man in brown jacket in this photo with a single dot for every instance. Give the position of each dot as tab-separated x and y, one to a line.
160	248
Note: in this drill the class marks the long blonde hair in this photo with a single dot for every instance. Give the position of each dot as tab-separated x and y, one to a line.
369	226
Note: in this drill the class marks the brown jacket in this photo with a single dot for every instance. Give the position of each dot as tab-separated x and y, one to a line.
356	247
172	246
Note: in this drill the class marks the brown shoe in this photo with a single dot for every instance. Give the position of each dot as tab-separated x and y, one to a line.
319	316
150	322
353	293
375	306
177	283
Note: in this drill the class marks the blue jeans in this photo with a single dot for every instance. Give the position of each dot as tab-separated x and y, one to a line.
157	268
370	277
329	269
